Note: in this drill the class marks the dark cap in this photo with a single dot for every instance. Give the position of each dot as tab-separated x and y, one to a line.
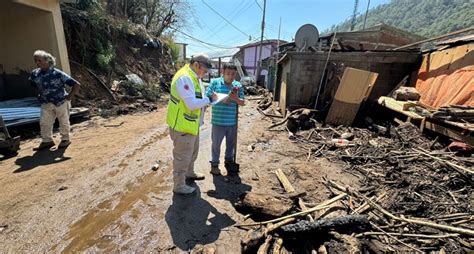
203	59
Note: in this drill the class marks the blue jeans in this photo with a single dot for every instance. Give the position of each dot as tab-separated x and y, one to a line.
217	135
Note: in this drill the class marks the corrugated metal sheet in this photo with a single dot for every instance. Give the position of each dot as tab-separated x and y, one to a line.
24	111
446	77
25	102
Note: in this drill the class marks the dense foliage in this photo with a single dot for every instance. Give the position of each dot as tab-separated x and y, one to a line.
427	18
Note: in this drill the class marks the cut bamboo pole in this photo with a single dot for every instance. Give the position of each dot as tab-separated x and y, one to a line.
322	205
455	166
408	235
355	193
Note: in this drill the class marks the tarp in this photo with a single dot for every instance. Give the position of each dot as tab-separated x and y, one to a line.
446	77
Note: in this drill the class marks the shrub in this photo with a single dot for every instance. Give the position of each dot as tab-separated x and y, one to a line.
86	4
174	51
105	57
146	91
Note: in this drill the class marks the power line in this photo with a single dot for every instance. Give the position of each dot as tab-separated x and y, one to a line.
258	5
234	11
216	12
199	47
201	41
234	15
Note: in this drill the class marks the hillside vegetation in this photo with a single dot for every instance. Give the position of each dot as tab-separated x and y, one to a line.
427	18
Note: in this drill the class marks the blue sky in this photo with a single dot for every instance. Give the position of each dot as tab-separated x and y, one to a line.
247	15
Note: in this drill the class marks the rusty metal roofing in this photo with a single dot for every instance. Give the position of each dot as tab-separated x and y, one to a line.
446	77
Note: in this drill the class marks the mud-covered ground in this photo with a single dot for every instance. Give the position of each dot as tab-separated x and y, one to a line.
101	194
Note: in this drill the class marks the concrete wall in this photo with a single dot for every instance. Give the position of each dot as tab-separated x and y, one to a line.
303	71
25	26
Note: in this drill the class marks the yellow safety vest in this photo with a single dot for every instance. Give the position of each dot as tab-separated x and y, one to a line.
179	117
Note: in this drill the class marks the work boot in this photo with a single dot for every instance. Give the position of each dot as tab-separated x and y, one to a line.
44	145
184	189
215	170
64	143
232	167
195	176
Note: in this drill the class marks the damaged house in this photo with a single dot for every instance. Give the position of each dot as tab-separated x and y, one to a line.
32	25
26	26
343	75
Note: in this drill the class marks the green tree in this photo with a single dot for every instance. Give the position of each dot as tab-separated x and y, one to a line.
427	18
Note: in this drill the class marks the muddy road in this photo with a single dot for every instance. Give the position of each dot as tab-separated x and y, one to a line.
101	194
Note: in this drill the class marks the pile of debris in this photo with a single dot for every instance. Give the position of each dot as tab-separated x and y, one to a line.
104	108
251	87
416	196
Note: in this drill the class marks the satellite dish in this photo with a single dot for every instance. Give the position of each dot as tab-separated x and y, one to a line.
306	36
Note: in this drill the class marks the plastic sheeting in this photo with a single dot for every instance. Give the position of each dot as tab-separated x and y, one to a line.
446	77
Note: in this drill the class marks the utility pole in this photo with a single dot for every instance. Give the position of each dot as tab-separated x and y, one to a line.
354	14
276	59
366	13
279	29
258	63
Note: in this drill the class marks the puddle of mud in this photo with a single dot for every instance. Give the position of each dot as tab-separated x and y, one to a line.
85	233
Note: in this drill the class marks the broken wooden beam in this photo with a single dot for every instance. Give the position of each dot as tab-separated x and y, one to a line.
289	188
346	224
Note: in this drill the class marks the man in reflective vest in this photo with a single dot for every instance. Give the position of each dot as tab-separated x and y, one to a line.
184	117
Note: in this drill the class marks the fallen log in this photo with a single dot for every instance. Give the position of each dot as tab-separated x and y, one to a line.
310	230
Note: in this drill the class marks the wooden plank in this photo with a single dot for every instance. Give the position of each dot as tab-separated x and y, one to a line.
283	94
284	181
465	126
448	132
397	106
289	188
354	88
